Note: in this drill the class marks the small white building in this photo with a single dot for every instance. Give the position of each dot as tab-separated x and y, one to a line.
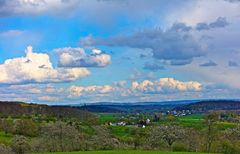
148	121
121	123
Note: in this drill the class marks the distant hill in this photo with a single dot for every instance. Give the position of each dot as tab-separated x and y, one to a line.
197	106
177	102
18	109
210	105
127	108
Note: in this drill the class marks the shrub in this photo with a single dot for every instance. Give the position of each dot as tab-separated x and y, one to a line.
229	148
20	144
26	127
6	125
179	147
5	149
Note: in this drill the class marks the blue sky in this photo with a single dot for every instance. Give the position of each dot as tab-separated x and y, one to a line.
85	51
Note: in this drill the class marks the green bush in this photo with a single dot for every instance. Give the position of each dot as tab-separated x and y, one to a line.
229	148
179	147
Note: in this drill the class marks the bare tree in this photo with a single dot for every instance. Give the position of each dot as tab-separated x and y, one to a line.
231	140
168	133
5	149
211	132
102	139
20	144
192	139
6	125
139	137
59	137
26	127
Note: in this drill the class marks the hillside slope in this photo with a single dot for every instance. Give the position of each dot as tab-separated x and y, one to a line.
17	109
210	105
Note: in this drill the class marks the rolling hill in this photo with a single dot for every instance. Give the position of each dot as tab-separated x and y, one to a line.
210	105
18	109
196	106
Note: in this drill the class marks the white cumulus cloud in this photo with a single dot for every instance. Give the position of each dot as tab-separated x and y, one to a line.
77	57
48	98
165	85
36	68
89	90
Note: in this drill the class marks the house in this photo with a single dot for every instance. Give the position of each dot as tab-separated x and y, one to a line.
148	121
121	123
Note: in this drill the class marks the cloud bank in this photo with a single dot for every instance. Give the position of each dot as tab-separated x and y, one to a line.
161	86
165	85
208	64
164	45
153	66
219	23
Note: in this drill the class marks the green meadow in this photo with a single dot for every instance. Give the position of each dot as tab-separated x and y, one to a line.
121	152
5	138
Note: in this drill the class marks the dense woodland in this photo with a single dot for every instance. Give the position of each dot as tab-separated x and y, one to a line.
27	128
209	105
197	106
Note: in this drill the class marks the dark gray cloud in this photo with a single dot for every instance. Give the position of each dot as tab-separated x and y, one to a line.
164	45
101	10
177	62
202	26
5	7
232	64
153	66
143	56
180	27
219	23
29	7
233	1
208	64
176	44
181	62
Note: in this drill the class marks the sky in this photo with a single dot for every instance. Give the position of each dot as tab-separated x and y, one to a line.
87	51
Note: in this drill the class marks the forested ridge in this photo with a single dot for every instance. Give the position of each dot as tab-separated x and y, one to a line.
18	109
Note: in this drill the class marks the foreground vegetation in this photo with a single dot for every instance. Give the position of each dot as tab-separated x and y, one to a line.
215	132
122	152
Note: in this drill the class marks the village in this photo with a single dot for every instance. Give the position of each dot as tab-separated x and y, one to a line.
138	120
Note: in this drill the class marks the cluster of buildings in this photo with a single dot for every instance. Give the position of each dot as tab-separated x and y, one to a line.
141	123
178	113
136	121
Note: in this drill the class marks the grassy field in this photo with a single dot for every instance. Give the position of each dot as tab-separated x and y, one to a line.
5	138
192	118
121	152
190	121
108	117
193	121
